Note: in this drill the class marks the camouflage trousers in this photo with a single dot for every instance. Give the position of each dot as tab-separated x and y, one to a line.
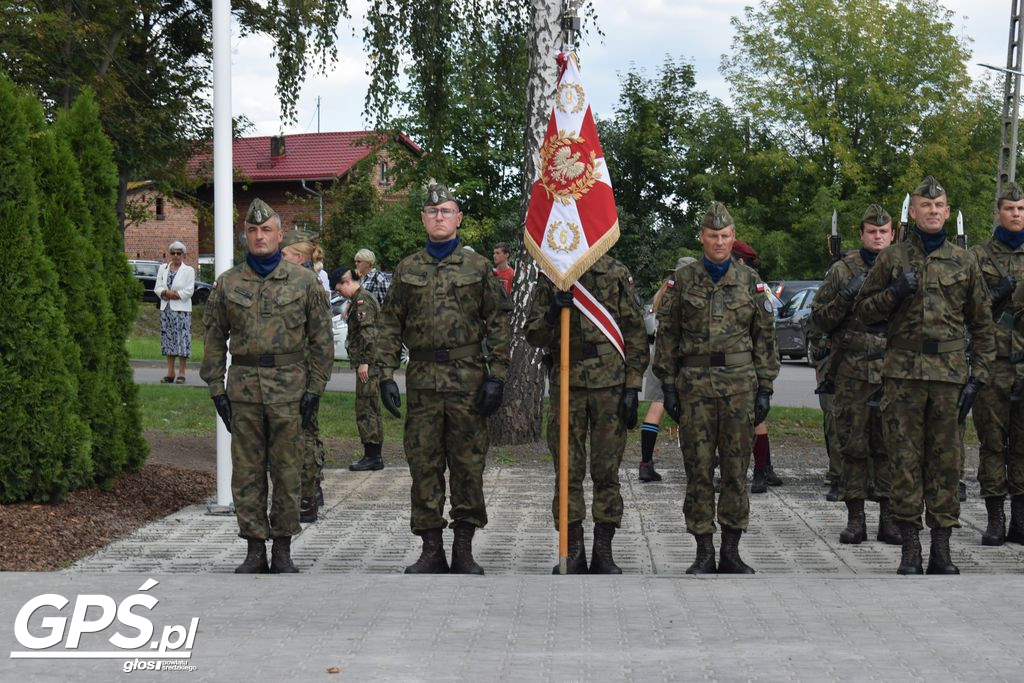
866	472
1000	426
924	443
368	420
593	412
445	431
312	459
832	439
716	431
263	434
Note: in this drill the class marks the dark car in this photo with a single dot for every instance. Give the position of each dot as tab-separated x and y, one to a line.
787	289
145	272
791	324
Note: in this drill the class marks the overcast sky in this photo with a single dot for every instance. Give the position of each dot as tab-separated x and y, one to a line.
639	32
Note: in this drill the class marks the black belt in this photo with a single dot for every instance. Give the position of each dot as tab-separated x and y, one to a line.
269	360
445	355
588	350
927	345
717	360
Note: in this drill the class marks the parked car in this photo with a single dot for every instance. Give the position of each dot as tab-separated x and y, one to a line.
145	272
787	289
792	321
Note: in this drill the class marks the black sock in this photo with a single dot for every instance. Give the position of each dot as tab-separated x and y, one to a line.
648	437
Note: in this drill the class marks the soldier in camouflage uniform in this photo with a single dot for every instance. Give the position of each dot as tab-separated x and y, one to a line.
858	353
361	343
275	315
928	290
299	247
603	399
444	304
999	422
717	358
820	346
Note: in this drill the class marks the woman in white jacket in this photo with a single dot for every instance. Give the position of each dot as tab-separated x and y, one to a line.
175	283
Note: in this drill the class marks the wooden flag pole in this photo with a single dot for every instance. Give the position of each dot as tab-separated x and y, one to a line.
563	448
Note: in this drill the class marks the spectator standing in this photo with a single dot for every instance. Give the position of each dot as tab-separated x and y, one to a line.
175	283
371	279
502	270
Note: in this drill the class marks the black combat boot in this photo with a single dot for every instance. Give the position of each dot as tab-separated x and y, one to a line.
307	510
281	556
995	532
576	563
760	481
887	530
601	560
704	563
647	472
772	478
371	460
462	550
910	561
432	559
939	560
833	491
729	560
856	530
255	559
319	495
1016	532
961	491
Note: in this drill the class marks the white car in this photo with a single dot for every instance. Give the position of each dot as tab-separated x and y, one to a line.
339	324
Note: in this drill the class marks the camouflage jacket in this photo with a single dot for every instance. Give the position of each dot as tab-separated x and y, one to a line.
595	363
699	318
997	260
284	313
363	315
950	297
449	304
858	350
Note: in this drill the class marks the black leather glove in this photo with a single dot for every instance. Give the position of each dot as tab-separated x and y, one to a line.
762	404
628	406
559	301
223	405
904	286
308	407
489	396
849	292
1003	289
967	396
390	397
1017	391
671	401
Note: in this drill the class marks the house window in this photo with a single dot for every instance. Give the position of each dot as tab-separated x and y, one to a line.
160	215
384	173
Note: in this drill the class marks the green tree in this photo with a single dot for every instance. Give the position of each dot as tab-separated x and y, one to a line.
44	446
82	129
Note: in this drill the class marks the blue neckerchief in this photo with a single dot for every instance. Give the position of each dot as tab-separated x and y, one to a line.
868	256
929	241
441	250
716	270
1011	239
263	265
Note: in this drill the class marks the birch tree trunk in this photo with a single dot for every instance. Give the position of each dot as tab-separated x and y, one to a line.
519	420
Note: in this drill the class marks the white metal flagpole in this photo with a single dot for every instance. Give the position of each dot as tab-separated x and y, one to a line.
223	202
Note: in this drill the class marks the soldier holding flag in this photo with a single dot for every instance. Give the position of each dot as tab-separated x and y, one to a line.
716	357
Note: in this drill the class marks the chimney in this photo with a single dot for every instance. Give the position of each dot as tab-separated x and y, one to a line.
277	146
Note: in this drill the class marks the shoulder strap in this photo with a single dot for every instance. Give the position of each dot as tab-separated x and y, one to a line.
905	257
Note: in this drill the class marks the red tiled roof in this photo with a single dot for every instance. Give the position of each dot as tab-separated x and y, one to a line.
310	156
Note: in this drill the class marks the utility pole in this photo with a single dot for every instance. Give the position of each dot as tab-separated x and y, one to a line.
1011	99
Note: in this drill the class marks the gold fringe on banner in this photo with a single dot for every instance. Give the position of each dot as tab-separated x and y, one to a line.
566	280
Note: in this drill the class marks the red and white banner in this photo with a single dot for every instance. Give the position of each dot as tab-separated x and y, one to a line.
600	316
571	221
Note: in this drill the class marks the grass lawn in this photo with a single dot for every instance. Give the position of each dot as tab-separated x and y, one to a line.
147	347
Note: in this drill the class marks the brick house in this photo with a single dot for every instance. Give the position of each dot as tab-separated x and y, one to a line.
284	171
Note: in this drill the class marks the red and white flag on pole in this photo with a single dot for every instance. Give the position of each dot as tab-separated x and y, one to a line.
572	221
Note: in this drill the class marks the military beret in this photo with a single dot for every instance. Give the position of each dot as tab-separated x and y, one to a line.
929	188
1012	193
717	217
682	261
438	194
876	215
295	236
259	212
744	251
335	276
